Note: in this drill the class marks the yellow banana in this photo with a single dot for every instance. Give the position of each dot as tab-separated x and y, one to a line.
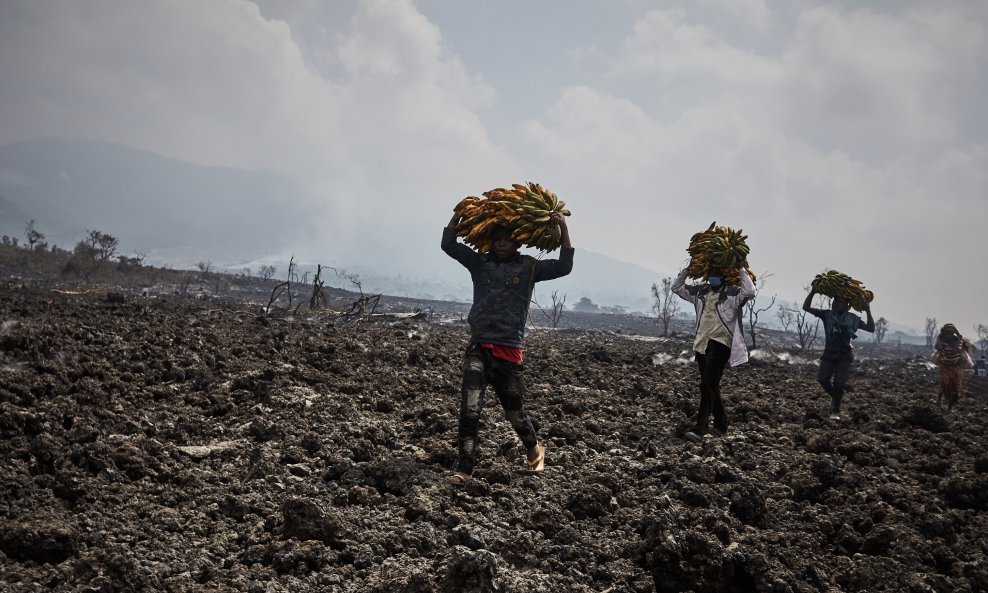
528	208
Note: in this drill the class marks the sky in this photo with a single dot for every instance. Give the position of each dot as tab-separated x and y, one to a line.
838	135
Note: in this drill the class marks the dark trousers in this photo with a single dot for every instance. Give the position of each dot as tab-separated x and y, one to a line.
711	364
835	370
481	367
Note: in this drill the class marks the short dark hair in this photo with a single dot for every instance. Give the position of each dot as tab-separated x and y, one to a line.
949	332
501	231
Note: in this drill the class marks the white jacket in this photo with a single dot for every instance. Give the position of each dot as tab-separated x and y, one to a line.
732	298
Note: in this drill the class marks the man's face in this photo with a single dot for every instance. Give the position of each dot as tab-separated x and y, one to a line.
504	247
841	305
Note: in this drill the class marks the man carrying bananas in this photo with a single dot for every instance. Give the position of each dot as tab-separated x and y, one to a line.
719	340
503	280
840	326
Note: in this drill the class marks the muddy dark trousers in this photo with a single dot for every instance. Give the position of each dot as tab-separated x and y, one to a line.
711	364
835	369
481	367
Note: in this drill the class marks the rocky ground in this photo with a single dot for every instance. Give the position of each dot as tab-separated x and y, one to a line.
176	445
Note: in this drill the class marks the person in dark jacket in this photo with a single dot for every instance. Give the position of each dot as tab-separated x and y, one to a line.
840	326
503	281
719	341
981	367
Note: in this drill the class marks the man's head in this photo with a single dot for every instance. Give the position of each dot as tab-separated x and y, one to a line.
715	279
841	305
949	333
503	246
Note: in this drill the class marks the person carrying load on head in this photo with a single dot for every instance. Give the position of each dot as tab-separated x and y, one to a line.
719	340
840	326
503	281
952	355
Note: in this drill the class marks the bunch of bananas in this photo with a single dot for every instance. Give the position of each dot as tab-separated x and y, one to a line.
718	247
527	209
834	284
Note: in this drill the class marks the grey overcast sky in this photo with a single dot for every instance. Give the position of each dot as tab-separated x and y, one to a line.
842	135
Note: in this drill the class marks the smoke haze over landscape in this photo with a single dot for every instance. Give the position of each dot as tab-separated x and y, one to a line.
836	135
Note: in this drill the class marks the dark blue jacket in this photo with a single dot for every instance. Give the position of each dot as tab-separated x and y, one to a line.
503	289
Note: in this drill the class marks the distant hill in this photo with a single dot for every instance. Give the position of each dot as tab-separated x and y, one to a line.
893	337
146	200
179	213
12	219
604	280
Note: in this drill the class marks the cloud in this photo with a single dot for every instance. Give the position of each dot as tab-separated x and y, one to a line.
214	83
837	135
15	178
396	130
679	63
753	13
843	149
866	83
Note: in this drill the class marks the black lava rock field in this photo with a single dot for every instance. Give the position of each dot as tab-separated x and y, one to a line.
183	446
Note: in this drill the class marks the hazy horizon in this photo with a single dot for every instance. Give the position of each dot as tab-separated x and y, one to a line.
836	135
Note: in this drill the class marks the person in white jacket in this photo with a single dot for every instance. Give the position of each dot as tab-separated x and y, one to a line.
719	340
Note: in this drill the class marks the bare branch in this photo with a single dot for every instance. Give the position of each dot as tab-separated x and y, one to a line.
266	272
753	310
982	331
786	317
318	297
881	326
666	304
807	326
555	313
931	332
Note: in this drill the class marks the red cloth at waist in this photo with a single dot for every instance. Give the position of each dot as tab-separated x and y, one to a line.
508	353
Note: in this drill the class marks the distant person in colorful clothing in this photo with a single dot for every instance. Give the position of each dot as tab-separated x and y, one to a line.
718	342
503	280
840	326
951	354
